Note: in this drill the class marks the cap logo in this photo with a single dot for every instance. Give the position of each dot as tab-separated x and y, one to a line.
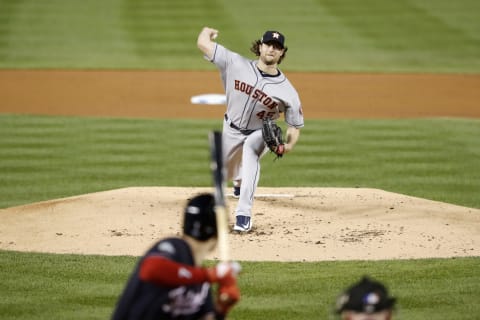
372	298
193	210
166	247
276	35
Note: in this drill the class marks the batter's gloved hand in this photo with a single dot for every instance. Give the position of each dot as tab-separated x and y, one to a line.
273	137
228	296
224	273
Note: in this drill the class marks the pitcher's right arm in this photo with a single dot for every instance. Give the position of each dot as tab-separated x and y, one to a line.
205	41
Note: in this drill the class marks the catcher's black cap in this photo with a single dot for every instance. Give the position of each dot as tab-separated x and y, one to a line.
200	221
273	36
366	296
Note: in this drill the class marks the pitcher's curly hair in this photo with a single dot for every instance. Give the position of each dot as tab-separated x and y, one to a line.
256	50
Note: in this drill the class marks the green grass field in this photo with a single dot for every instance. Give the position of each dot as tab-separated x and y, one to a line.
46	286
49	157
327	35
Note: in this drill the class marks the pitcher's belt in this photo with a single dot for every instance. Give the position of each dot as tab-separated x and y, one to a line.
232	125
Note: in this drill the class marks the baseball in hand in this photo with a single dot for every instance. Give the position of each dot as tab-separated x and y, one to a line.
214	36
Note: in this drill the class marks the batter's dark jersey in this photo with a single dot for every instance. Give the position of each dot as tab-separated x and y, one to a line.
143	300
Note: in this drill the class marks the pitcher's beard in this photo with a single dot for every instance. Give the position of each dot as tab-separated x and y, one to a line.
269	62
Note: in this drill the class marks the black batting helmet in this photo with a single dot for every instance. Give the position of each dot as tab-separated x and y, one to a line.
366	296
200	221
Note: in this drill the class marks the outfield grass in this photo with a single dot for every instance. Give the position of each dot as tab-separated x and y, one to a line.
47	157
329	35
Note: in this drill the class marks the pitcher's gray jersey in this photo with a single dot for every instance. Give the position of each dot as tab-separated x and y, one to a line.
252	96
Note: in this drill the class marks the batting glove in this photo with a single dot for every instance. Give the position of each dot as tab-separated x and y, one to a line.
228	296
223	273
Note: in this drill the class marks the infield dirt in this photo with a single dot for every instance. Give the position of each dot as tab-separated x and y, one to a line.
291	224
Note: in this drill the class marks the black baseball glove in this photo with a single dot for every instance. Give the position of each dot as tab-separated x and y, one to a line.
273	137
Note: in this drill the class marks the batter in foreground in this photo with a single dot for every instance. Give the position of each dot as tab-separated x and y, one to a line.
255	90
170	281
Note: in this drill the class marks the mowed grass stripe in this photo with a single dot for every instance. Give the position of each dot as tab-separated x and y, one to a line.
435	159
165	32
82	155
368	36
90	285
406	156
58	33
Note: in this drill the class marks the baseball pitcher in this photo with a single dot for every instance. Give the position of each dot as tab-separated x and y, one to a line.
257	93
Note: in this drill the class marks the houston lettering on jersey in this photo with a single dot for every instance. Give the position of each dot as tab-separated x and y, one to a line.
256	94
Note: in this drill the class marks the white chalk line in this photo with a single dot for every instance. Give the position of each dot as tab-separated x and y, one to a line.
268	195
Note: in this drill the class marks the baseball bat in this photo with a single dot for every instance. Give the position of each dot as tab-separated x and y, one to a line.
218	172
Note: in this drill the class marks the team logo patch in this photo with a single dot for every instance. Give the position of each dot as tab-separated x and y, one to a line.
166	247
193	210
184	273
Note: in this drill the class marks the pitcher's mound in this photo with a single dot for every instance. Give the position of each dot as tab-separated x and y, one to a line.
290	224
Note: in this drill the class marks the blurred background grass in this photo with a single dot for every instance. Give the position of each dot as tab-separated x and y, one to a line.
323	35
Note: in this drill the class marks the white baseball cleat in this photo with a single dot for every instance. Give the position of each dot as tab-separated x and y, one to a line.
243	224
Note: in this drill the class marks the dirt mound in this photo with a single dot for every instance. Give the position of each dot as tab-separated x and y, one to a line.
290	224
